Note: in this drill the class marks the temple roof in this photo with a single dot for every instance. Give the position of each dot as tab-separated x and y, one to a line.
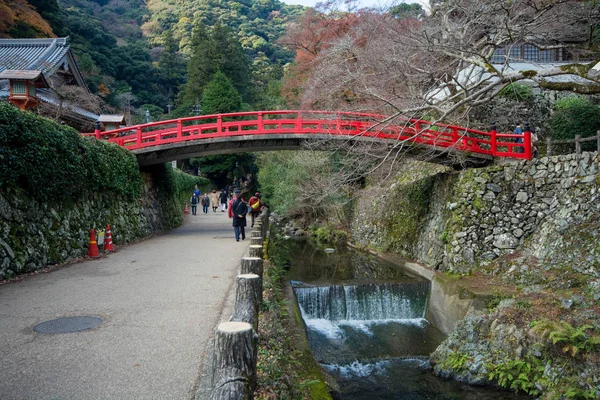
46	55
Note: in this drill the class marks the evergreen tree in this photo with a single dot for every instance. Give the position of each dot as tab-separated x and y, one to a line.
232	60
220	96
171	67
201	66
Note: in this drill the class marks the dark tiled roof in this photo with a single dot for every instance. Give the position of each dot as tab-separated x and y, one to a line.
40	54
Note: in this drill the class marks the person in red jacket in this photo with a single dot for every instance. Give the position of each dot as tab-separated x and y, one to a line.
256	205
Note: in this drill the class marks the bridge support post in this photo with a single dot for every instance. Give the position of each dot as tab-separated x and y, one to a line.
494	144
138	135
527	143
179	128
234	375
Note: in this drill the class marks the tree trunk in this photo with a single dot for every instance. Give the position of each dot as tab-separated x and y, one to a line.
254	265
255	251
234	372
247	298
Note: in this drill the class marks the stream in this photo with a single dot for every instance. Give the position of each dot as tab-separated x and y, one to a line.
366	326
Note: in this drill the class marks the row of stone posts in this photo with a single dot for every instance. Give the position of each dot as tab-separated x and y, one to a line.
236	341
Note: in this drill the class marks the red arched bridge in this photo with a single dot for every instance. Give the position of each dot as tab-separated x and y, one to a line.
176	139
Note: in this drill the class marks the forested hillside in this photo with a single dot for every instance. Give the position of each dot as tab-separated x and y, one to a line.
136	55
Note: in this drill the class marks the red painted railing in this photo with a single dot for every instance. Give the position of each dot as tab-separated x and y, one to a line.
339	124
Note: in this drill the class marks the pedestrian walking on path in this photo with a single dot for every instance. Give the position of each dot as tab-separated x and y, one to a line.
205	203
255	206
223	197
194	203
214	200
239	210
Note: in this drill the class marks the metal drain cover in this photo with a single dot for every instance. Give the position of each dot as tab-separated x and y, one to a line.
68	324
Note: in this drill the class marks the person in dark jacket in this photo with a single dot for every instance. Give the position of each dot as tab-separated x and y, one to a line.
205	203
194	203
239	210
223	198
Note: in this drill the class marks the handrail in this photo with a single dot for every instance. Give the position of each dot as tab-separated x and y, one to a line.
318	122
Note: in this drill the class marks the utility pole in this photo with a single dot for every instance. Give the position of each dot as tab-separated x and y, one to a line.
196	110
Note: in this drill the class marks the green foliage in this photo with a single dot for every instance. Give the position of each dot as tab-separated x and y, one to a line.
455	361
494	300
327	235
214	50
517	91
54	162
575	115
174	190
405	10
220	96
569	339
221	168
519	375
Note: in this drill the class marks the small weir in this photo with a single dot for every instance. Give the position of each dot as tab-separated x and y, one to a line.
369	333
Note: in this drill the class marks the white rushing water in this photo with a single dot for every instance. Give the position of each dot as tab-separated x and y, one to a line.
327	309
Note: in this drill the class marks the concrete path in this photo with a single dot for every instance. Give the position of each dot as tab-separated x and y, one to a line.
159	300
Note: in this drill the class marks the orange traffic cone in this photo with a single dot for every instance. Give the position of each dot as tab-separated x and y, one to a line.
186	209
108	244
93	249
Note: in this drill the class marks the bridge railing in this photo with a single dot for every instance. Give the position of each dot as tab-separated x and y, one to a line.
335	124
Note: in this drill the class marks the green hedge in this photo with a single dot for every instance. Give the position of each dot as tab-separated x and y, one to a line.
53	162
174	190
575	115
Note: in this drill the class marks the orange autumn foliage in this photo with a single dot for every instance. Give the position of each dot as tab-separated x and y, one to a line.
13	12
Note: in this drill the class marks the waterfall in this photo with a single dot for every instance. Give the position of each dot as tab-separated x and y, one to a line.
365	303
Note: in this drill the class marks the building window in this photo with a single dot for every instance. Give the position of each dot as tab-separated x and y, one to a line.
547	55
515	52
530	52
19	87
499	55
31	90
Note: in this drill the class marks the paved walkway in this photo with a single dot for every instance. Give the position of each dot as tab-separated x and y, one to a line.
159	300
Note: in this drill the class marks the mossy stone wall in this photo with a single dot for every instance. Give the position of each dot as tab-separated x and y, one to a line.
56	185
458	221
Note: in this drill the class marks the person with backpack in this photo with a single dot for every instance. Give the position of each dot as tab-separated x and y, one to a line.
194	203
205	203
239	209
254	206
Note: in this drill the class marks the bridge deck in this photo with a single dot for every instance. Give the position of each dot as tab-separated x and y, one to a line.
287	129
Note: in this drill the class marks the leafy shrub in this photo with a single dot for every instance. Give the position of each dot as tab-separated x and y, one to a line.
53	162
517	91
575	115
570	340
519	375
174	189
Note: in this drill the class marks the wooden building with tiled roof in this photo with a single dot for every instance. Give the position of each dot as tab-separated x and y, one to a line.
50	61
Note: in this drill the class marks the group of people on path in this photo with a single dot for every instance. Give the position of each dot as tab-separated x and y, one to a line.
237	206
204	200
238	209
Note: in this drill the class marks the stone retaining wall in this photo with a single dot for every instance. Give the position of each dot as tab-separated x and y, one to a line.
34	234
466	219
